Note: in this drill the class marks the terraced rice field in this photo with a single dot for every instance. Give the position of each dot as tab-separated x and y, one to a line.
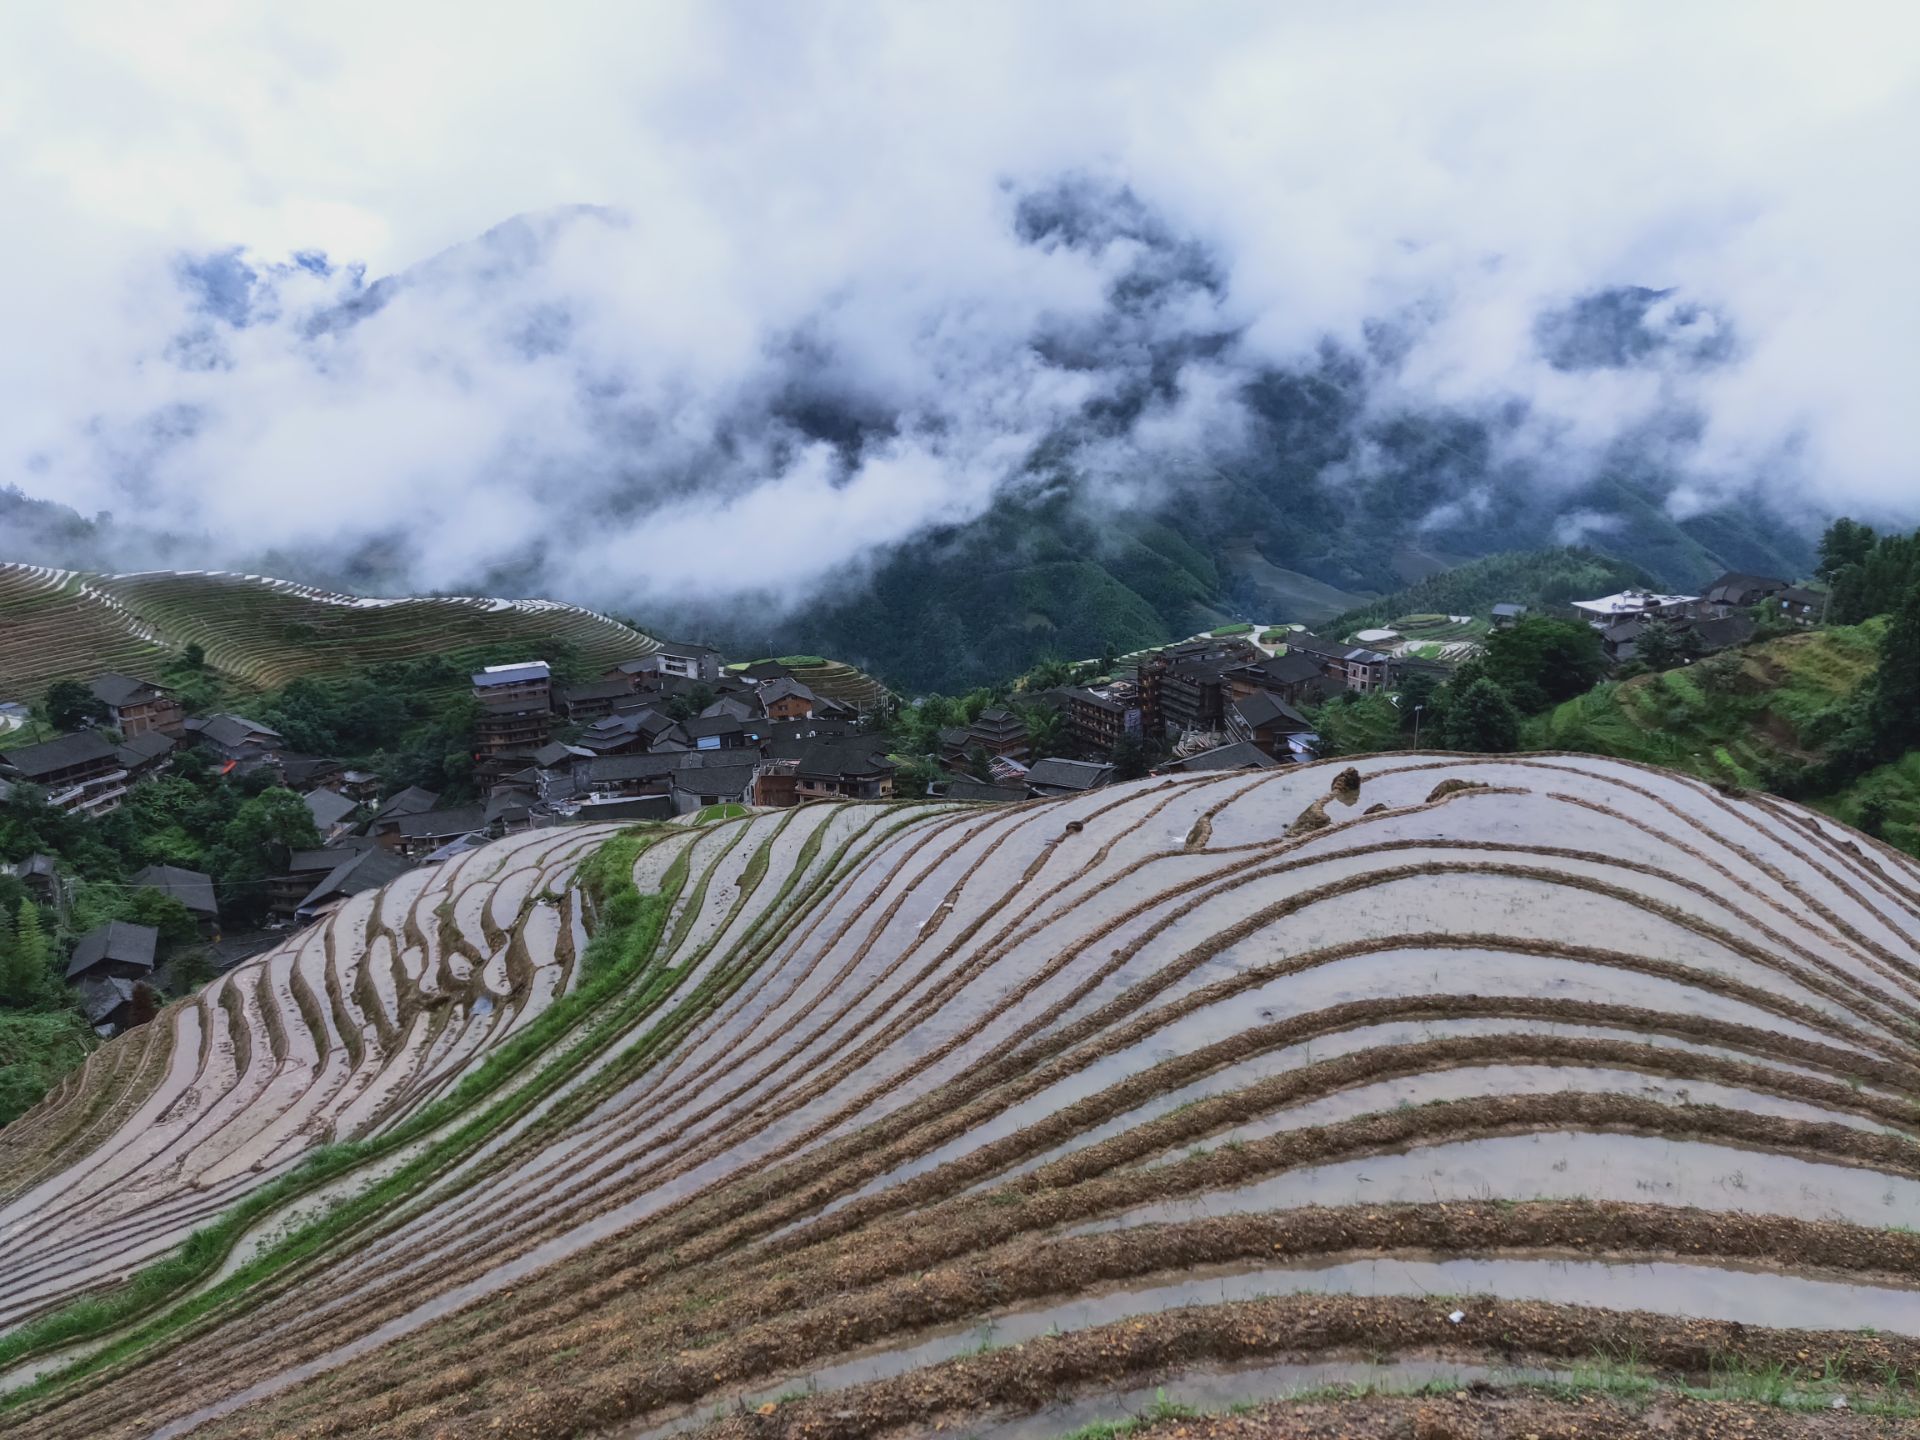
834	680
1005	1120
52	621
58	625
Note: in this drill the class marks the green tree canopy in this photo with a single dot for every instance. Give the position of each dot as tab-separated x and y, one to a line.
1893	714
1846	542
1539	662
27	980
69	705
256	845
1660	647
1482	718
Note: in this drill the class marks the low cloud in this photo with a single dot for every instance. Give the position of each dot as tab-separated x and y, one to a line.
851	272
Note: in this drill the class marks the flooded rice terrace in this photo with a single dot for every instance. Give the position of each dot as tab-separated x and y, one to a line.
885	1095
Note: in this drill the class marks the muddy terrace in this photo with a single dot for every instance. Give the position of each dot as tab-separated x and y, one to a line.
1566	1085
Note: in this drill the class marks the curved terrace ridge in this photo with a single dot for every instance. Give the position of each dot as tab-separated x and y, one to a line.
849	1119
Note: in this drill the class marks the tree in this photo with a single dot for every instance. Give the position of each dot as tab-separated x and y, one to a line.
1130	757
1722	674
69	705
1046	730
27	978
165	913
1048	673
257	844
1354	724
12	984
690	702
1418	693
1539	662
1873	814
1483	719
1659	646
1846	542
1893	714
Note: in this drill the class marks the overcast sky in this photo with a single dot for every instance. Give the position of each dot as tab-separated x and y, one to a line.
838	183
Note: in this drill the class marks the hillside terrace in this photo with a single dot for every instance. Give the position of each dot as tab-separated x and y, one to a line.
769	738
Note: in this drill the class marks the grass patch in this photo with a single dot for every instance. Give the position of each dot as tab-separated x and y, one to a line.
1222	632
36	1049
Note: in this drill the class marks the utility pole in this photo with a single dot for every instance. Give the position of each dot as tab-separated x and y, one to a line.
1416	725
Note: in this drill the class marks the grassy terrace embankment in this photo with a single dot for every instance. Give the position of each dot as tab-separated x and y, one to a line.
856	1117
1736	718
261	633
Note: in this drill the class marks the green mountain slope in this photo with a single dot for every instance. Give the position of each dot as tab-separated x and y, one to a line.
1753	717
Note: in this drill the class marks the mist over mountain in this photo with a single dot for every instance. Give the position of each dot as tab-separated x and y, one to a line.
868	359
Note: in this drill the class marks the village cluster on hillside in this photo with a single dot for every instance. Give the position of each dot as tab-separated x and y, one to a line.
754	735
680	731
1242	697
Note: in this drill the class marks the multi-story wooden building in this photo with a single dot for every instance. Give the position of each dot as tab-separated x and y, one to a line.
516	708
139	707
1097	718
998	732
81	773
1182	687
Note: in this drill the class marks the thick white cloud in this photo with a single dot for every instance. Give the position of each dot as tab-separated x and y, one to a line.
840	180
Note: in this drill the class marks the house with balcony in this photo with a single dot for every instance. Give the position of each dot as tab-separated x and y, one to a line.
82	774
139	707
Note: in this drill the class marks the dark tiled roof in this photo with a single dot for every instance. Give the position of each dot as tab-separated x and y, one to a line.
1261	709
785	688
1292	668
433	824
508	802
1726	631
1099	702
595	690
526	672
231	731
813	729
144	749
728	781
299	770
1241	755
1738	588
967	788
358	872
118	942
328	807
835	757
1054	774
119	691
62	753
193	889
628	807
410	801
100	998
318	862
